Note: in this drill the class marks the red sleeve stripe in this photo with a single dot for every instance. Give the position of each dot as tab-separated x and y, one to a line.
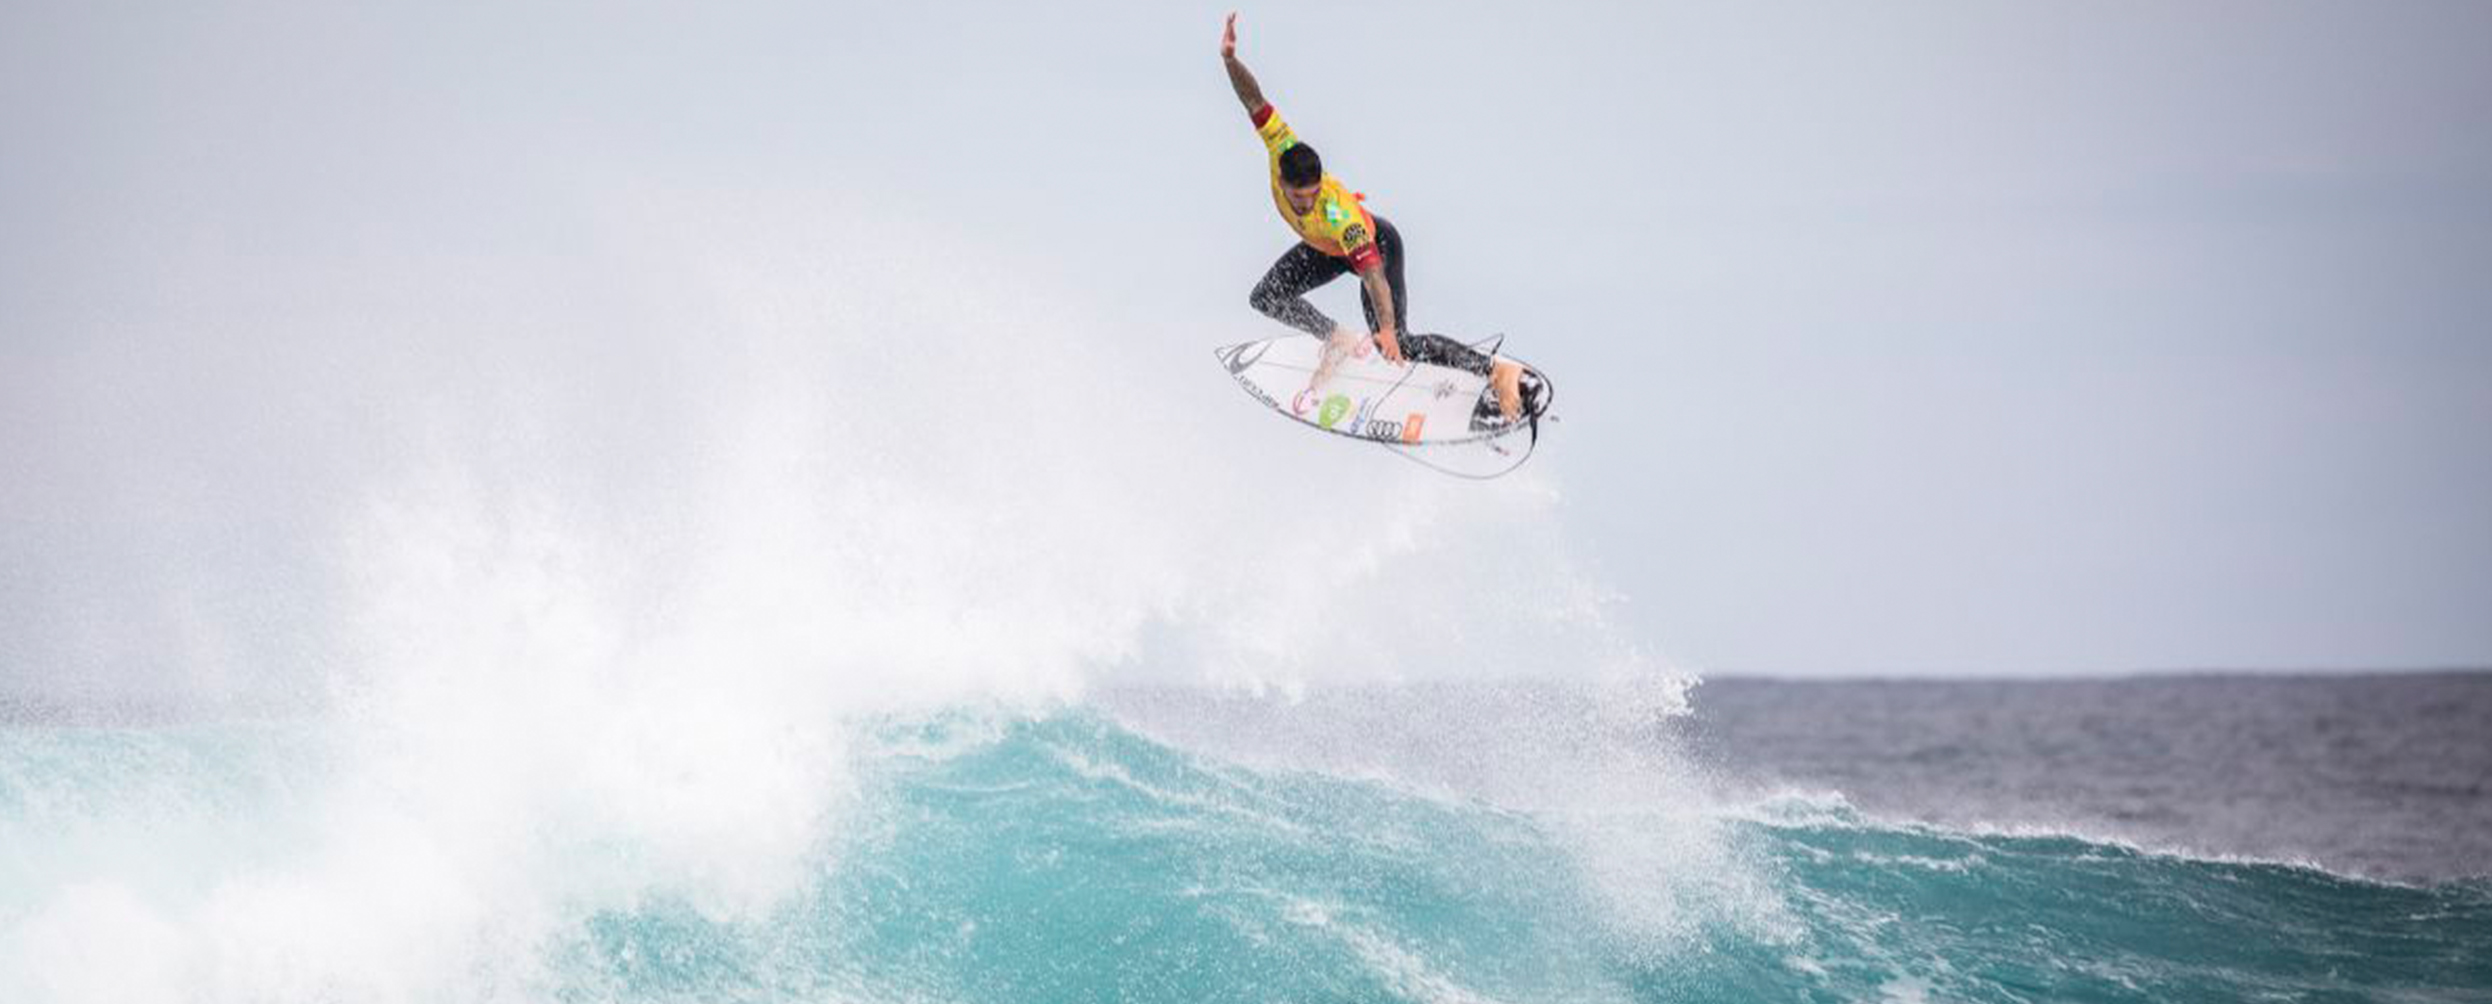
1364	257
1263	115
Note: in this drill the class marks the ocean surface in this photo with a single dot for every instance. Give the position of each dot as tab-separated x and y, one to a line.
2147	840
2388	776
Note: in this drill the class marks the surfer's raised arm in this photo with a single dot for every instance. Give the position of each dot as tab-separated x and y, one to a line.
1247	93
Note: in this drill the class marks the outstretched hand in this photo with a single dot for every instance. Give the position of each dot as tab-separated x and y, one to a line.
1228	38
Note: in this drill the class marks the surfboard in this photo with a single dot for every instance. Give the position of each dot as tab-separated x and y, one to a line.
1439	416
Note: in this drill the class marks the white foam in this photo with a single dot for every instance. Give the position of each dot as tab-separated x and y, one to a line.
604	616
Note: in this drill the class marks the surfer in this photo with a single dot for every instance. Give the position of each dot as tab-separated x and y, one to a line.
1338	234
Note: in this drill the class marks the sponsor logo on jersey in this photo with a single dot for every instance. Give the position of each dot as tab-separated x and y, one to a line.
1410	427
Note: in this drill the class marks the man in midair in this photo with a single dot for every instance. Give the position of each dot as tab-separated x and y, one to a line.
1338	234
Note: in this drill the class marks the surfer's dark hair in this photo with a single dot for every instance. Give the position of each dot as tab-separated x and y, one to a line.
1300	166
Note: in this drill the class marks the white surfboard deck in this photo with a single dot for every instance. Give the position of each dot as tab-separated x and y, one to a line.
1427	412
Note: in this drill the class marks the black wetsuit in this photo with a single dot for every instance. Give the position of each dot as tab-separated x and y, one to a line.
1282	296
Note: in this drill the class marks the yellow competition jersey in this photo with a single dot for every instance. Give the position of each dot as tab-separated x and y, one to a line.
1337	225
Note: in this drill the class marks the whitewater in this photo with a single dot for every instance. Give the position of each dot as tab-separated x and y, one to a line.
731	614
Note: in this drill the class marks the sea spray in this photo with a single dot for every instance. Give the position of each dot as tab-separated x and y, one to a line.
602	610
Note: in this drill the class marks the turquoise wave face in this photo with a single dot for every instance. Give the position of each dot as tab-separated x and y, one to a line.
1910	912
1066	860
992	858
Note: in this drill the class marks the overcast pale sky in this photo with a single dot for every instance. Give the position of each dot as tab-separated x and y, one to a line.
1892	338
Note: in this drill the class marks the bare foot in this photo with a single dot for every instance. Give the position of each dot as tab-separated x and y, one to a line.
1507	378
1342	344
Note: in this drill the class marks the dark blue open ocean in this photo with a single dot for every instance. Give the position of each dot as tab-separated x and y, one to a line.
2383	776
2145	840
